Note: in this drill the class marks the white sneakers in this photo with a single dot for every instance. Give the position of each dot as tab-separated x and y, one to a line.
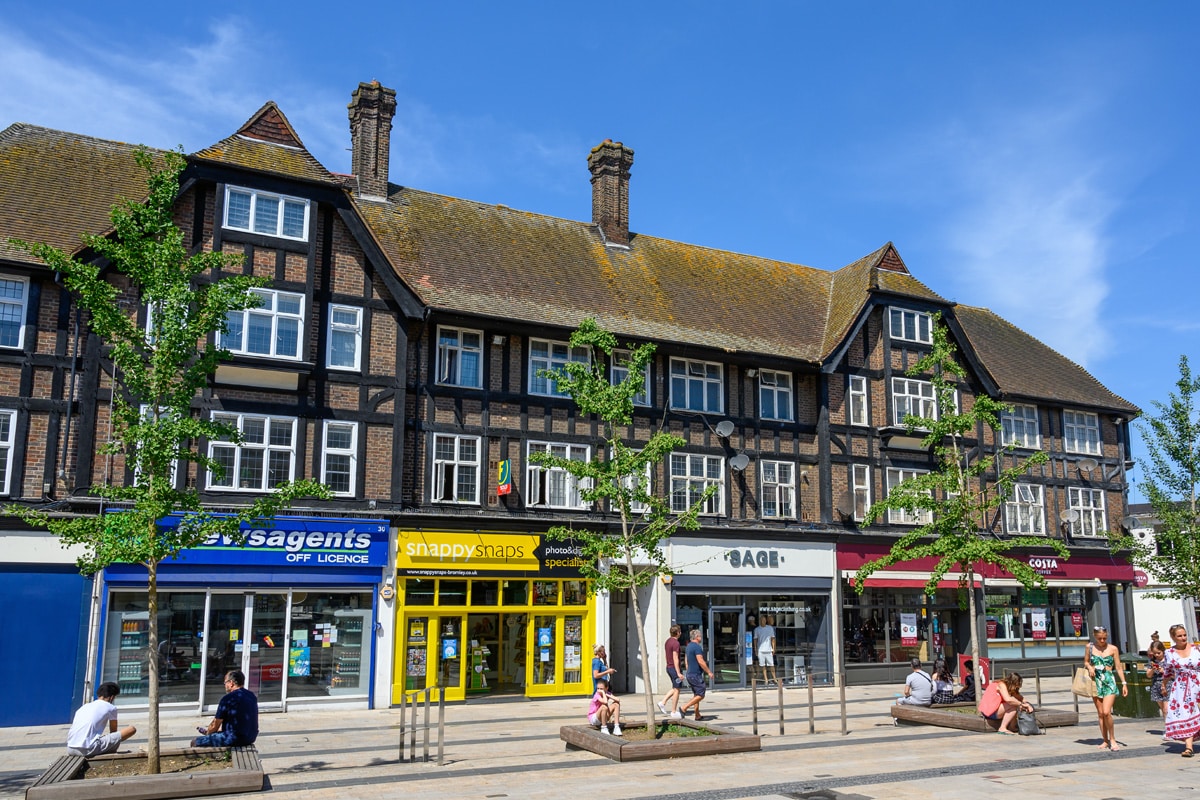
662	708
616	731
676	715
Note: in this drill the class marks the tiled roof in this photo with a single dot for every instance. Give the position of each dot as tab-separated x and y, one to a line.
1024	367
55	186
494	261
267	143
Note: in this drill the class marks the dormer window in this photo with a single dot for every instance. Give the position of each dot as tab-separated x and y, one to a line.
911	326
269	214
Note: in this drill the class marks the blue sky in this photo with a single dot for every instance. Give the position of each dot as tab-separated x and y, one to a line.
1038	159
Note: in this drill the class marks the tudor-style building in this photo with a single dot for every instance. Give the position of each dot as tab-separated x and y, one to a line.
396	355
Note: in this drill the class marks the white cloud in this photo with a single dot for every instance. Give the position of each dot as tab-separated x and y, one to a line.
1029	225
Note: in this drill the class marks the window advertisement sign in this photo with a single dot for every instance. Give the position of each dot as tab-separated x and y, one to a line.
1037	622
472	554
908	630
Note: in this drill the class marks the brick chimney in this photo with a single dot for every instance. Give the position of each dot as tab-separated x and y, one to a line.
371	110
609	163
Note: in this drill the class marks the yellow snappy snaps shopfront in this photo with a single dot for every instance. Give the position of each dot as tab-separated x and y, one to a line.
491	613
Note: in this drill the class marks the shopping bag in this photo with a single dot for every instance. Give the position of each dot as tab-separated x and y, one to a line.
1083	685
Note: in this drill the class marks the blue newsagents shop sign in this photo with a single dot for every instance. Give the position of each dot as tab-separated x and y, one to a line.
295	542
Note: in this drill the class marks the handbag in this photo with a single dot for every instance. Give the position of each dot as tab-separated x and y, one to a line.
1027	723
1082	684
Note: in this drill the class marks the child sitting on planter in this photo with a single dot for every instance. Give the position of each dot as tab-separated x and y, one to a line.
605	708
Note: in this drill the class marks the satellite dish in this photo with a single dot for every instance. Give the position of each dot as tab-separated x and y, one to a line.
1087	464
724	429
1070	515
740	461
845	504
1131	522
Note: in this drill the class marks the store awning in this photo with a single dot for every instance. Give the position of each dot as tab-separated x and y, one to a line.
895	579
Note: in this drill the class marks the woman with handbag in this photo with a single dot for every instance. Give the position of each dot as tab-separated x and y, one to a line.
1181	676
1103	661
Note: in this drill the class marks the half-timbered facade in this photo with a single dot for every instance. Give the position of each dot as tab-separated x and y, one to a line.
396	355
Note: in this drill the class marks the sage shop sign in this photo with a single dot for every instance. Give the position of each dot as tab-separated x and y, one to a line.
754	559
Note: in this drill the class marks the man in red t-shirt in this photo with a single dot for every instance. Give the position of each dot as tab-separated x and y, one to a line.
671	649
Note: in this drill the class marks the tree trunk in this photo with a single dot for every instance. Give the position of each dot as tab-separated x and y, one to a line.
152	766
643	652
975	634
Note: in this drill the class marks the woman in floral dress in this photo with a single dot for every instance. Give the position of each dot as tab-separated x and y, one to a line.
1103	662
1181	675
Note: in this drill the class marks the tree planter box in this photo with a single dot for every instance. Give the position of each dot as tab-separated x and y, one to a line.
721	740
969	720
64	779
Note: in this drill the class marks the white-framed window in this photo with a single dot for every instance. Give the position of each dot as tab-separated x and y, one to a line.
1081	432
778	489
554	487
544	354
345	337
1093	517
339	457
619	370
272	328
912	397
860	488
262	212
857	402
691	475
775	395
455	469
265	459
637	507
8	432
697	385
903	516
1019	427
1025	511
14	299
911	326
460	357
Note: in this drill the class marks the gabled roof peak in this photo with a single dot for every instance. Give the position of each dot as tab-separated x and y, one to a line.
269	124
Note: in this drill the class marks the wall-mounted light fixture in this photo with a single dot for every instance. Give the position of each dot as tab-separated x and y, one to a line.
498	340
752	372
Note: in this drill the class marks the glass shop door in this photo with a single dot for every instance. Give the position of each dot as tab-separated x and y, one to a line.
725	645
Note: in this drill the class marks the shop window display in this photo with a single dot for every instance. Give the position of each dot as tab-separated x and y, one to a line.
893	625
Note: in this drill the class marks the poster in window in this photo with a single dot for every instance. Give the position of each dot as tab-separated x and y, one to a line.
415	662
299	662
1037	622
908	630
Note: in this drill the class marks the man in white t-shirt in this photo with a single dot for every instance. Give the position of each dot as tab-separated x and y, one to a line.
764	643
94	728
918	687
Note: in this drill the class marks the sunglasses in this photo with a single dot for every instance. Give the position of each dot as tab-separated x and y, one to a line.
1099	629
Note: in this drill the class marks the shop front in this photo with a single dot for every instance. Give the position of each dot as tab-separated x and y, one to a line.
893	619
294	608
728	590
491	613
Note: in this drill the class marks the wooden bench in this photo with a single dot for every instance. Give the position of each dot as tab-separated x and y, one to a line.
65	768
946	717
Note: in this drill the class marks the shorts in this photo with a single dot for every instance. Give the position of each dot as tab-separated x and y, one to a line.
594	719
108	743
994	715
766	658
676	681
696	681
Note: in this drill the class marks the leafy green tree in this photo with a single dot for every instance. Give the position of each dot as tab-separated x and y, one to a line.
632	556
157	372
956	499
1172	478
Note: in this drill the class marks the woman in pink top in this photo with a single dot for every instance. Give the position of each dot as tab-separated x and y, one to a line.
605	708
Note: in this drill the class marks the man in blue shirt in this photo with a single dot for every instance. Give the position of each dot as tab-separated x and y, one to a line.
697	668
236	721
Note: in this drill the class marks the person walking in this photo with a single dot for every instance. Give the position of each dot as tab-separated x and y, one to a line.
1103	662
697	668
94	728
1156	653
1181	678
671	651
236	722
764	640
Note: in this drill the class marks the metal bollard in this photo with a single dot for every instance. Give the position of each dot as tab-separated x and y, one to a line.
842	700
1037	680
403	698
412	733
425	754
754	701
812	721
441	725
779	688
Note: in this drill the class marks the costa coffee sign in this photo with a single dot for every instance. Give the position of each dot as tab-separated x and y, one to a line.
1044	565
